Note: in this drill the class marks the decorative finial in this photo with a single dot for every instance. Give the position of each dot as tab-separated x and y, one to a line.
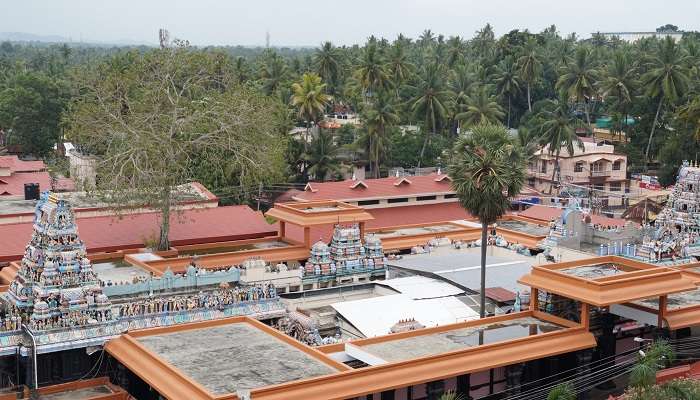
354	178
397	173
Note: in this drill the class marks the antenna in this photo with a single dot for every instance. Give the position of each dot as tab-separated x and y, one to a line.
163	38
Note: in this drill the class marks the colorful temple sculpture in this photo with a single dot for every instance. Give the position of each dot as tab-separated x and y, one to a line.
676	234
346	256
56	286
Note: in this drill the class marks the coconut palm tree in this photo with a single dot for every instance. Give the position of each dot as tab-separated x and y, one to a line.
450	395
460	85
655	357
690	113
578	80
328	64
558	131
481	108
380	116
619	81
455	50
310	99
666	80
398	66
487	170
273	72
530	67
372	73
430	103
507	82
322	156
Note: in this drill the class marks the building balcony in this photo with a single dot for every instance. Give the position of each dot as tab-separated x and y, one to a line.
601	173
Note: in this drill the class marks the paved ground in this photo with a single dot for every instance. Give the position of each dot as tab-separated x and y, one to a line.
234	358
80	394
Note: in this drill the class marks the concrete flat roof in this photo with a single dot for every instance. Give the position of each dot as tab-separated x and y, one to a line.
463	267
118	271
233	358
459	339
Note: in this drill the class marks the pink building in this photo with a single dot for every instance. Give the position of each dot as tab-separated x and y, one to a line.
596	166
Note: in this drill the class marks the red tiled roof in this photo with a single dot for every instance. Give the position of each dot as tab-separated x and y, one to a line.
376	188
17	165
191	226
13	185
391	216
544	213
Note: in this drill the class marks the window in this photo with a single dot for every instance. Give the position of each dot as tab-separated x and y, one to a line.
367	202
426	198
543	167
451	196
399	200
578	167
531	181
615	186
617	165
599	186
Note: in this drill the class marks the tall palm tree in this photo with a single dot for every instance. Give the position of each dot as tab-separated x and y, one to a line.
530	67
666	80
398	65
620	81
460	84
507	81
455	50
481	108
430	103
690	113
426	38
273	71
558	131
487	171
578	80
327	62
322	156
380	116
310	99
372	73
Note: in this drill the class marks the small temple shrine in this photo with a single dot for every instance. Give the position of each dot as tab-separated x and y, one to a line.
346	255
56	286
677	227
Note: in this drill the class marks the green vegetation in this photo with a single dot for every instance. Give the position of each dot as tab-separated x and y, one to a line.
412	98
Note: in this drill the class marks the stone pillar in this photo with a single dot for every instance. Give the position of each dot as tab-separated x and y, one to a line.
435	389
283	229
464	386
583	361
514	376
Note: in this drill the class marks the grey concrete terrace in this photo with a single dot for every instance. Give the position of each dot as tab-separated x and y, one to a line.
234	358
458	339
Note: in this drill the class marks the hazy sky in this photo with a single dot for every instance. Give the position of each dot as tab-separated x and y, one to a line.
308	22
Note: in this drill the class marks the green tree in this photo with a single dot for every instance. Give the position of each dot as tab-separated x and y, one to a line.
273	72
328	64
481	108
666	80
379	118
507	82
371	72
653	358
558	131
398	65
578	80
530	67
563	391
430	103
620	82
487	171
322	156
160	120
31	105
310	100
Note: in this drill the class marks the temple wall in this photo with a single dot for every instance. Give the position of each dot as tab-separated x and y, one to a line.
170	281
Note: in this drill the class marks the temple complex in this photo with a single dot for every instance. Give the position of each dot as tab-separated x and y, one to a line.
676	231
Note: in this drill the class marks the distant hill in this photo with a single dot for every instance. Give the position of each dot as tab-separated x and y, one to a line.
30	37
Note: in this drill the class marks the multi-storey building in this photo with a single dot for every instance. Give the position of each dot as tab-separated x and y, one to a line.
595	167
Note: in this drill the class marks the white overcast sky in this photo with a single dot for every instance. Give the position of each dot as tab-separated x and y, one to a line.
309	22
